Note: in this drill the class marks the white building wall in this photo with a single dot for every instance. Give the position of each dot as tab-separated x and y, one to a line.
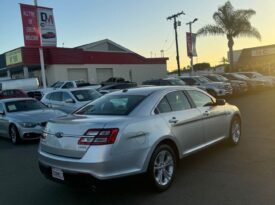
140	72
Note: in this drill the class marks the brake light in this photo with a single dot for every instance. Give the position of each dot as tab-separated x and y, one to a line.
99	137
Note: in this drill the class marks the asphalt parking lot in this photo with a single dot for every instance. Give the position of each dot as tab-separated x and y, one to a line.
219	175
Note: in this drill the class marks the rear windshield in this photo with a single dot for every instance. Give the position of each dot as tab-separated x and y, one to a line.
58	84
24	105
86	95
112	105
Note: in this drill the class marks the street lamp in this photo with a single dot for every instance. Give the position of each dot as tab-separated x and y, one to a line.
190	30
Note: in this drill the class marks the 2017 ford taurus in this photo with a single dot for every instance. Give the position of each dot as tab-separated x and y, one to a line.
140	130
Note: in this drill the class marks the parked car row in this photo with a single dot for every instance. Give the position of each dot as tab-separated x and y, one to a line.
130	130
221	85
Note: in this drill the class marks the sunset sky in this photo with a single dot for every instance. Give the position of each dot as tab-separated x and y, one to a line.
139	25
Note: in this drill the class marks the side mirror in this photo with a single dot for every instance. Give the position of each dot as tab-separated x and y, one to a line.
220	102
69	101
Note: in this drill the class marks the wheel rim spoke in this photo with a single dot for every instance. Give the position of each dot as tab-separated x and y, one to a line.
163	167
236	132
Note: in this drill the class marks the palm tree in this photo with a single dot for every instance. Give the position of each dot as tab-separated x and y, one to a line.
224	60
232	23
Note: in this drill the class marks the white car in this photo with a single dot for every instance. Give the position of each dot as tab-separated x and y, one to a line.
69	100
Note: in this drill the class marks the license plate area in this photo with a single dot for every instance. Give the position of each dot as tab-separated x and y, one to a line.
57	173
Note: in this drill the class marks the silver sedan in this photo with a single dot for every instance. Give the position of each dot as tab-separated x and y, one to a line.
140	130
24	118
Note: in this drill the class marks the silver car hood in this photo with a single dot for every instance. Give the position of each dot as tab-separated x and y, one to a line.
42	115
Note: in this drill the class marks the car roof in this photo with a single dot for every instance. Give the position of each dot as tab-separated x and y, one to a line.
149	90
115	84
15	99
161	79
194	76
70	89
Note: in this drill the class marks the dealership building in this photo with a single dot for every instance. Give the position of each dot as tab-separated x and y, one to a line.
94	63
261	59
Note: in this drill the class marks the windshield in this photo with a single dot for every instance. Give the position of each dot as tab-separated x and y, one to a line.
249	75
221	78
58	84
203	79
112	105
240	76
213	78
252	75
176	82
24	105
86	95
258	74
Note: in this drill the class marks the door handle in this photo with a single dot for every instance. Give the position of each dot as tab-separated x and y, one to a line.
173	120
206	113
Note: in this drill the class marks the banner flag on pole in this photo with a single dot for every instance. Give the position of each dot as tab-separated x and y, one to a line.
30	26
191	44
38	26
47	26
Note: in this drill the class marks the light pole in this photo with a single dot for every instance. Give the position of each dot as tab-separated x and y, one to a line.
176	35
42	64
190	30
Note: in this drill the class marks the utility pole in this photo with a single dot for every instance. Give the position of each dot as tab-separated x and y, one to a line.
190	30
176	35
162	53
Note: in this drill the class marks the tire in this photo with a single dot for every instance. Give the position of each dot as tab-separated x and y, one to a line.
14	134
235	131
162	167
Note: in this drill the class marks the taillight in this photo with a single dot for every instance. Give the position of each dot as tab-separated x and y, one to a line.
99	137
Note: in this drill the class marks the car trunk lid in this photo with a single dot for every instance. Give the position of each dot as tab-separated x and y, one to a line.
61	136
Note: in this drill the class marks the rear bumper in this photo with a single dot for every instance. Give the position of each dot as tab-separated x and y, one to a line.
70	178
100	165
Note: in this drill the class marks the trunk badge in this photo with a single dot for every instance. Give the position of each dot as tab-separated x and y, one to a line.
59	134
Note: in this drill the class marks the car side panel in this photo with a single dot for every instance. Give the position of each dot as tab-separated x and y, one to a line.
188	129
4	126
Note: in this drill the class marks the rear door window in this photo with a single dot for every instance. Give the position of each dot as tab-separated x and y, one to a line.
178	101
56	96
163	106
200	99
66	96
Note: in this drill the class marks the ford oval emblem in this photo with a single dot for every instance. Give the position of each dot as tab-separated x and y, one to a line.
59	134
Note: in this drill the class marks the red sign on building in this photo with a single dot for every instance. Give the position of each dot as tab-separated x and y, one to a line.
30	26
